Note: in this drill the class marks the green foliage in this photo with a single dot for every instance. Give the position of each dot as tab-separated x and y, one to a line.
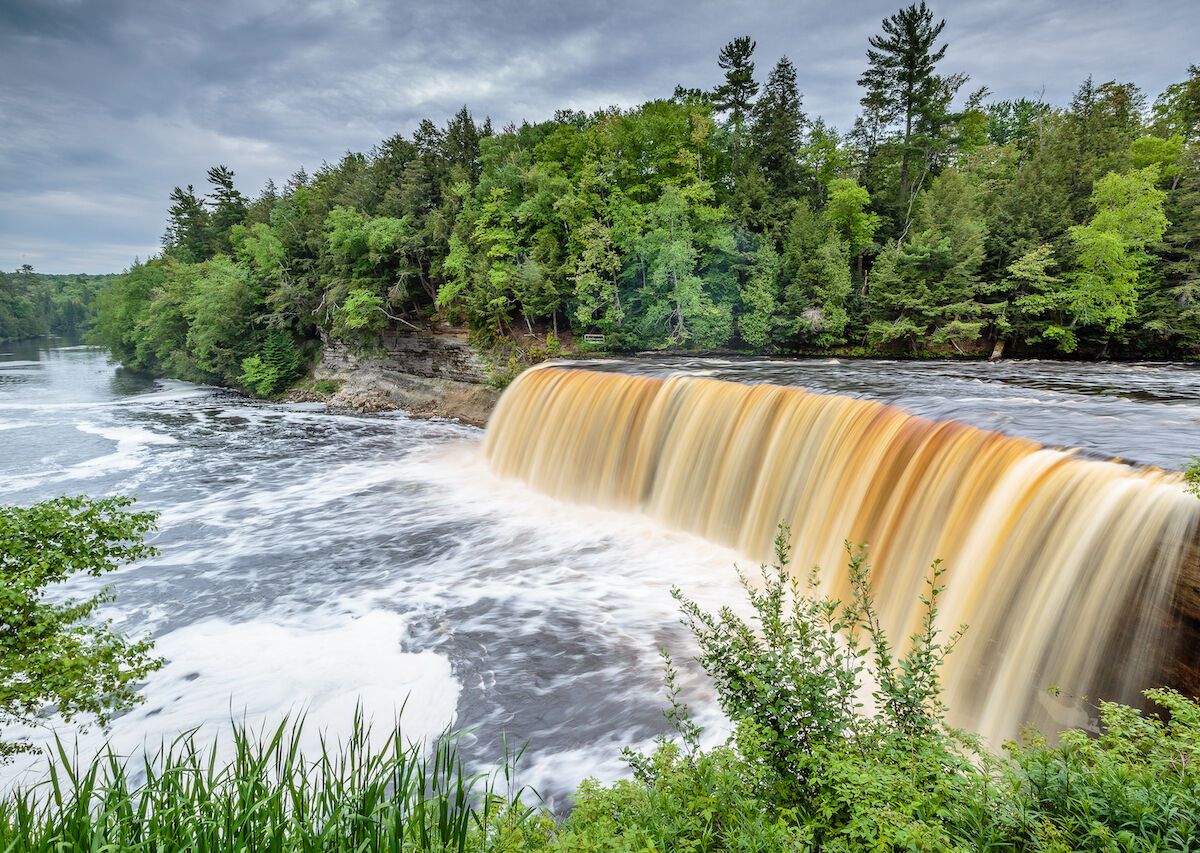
1034	298
649	225
793	677
676	305
847	212
353	795
1177	110
811	766
817	285
217	311
758	323
58	654
930	285
1111	249
272	369
808	766
1135	787
34	304
596	286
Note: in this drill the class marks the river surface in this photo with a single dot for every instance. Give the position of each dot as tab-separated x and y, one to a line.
313	560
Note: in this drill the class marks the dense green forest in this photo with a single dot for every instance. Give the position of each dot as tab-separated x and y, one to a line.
944	221
34	304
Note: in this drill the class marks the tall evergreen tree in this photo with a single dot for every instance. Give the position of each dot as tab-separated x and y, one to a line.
777	134
461	142
188	234
903	85
228	206
735	96
1177	110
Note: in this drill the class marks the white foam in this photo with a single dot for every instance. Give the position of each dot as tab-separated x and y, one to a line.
321	666
132	442
126	436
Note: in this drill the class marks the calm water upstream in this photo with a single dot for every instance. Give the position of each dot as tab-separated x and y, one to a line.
313	560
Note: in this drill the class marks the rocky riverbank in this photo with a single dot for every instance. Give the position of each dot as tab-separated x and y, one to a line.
424	373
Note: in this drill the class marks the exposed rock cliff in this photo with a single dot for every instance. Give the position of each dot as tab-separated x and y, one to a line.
425	373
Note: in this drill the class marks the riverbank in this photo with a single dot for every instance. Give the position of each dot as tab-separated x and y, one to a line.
424	373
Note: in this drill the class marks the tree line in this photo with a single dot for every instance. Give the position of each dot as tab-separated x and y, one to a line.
34	304
945	221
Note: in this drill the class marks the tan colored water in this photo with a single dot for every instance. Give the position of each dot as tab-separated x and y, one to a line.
1062	567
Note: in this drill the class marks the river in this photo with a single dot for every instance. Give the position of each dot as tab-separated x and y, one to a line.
313	560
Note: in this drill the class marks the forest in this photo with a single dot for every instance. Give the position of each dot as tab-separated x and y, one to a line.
945	222
34	304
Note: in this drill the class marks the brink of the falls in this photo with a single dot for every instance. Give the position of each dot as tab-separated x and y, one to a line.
1063	568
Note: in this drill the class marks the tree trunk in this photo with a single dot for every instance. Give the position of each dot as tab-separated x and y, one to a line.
997	350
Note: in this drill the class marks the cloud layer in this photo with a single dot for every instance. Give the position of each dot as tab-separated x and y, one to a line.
107	105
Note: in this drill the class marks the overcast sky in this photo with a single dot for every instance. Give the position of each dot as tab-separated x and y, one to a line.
105	106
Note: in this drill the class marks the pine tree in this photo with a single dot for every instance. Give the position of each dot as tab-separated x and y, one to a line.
758	322
903	86
735	97
777	135
816	280
930	285
1177	110
461	143
188	234
228	206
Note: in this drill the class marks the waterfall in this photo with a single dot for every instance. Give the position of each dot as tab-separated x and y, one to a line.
1062	567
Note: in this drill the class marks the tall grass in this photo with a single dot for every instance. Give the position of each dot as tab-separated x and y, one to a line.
269	796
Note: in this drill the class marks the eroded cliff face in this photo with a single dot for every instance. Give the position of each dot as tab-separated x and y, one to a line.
425	373
433	355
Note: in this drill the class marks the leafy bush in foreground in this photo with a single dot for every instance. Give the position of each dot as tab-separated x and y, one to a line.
810	768
1134	787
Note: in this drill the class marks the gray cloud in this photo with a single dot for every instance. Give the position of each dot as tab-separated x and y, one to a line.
105	106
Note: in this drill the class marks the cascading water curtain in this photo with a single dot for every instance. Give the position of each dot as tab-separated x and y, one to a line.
1064	568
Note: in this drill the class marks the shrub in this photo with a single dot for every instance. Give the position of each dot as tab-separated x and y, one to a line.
807	765
327	387
275	366
1191	476
1136	786
810	767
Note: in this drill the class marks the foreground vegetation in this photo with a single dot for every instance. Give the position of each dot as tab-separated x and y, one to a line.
53	651
809	765
944	222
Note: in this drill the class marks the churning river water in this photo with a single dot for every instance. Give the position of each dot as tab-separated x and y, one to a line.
313	560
